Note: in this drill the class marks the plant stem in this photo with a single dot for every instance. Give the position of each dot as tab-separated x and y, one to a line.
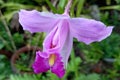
8	31
67	8
5	42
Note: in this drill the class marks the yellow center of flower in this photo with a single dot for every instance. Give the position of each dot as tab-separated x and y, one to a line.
52	59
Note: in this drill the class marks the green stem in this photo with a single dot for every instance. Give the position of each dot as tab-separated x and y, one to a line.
67	8
8	31
5	42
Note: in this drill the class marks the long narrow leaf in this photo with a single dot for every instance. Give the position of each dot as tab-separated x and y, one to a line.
116	7
79	7
73	8
15	5
61	6
51	6
62	3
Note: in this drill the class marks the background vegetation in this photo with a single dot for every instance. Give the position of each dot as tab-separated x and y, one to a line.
97	61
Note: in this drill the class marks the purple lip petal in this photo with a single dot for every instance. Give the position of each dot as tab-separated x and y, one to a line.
88	30
41	64
58	67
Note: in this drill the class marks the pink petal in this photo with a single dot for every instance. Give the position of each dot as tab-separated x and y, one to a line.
88	30
58	67
47	44
44	55
56	37
66	50
63	34
35	21
61	37
41	64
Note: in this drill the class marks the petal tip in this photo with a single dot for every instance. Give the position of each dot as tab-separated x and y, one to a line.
58	67
107	33
41	64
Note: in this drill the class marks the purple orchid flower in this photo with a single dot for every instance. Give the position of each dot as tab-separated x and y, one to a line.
60	29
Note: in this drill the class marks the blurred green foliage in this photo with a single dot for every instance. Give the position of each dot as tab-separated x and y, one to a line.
107	51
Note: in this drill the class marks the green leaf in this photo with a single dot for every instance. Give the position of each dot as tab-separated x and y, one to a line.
12	5
79	7
117	1
23	77
18	38
93	77
51	6
1	2
61	6
9	15
2	77
116	7
72	8
62	3
1	45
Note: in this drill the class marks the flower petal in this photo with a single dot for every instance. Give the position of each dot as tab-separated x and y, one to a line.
63	34
56	38
41	64
58	67
66	50
47	44
88	30
35	21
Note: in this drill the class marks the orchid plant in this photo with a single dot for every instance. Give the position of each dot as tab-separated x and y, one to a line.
60	29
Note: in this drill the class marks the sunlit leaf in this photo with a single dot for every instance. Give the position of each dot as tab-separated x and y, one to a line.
115	7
